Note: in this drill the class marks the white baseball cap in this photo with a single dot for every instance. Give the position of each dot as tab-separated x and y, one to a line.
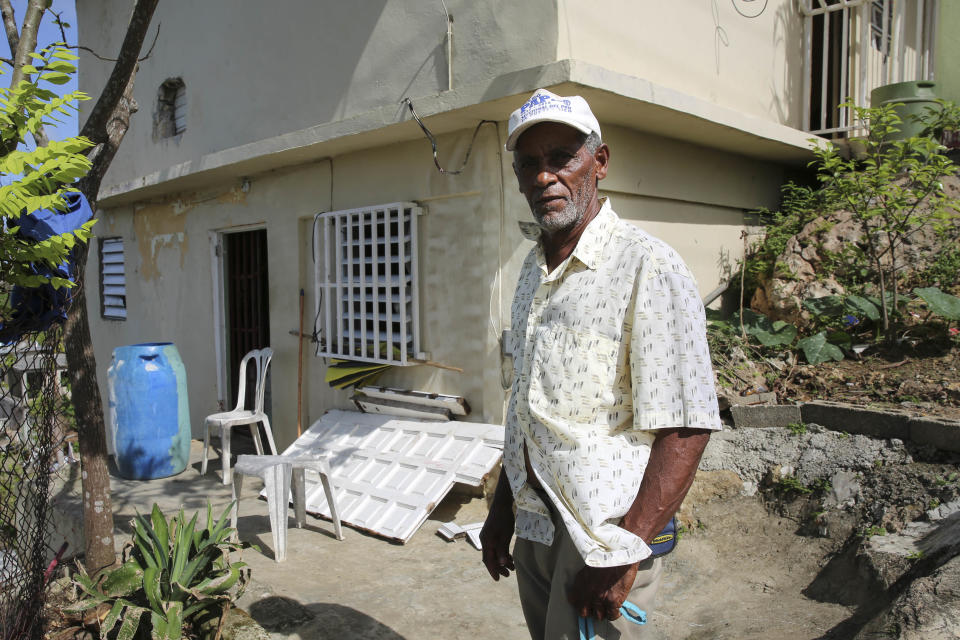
544	106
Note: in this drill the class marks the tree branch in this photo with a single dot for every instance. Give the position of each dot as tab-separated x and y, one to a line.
106	126
28	38
10	26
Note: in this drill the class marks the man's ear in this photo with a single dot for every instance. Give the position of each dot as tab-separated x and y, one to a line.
517	175
601	159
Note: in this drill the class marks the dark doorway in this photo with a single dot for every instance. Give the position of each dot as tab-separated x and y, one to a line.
247	306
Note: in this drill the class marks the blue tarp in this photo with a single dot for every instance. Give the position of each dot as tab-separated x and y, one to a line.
37	308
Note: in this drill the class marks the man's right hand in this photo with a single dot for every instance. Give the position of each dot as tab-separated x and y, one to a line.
497	531
495	539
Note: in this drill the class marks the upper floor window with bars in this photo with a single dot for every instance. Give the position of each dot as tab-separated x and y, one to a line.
366	283
851	47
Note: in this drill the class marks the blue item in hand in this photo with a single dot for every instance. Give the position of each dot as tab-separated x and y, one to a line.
629	611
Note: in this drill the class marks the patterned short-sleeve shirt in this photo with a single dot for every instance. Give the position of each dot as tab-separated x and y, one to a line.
608	347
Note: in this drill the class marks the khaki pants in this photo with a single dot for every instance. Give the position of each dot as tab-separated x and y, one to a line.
544	574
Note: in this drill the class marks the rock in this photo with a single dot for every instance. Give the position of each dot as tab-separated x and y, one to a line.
240	626
929	609
845	487
819	453
802	268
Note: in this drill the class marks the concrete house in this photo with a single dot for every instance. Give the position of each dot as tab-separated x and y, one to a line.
255	117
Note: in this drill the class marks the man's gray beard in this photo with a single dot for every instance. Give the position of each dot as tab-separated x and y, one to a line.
566	219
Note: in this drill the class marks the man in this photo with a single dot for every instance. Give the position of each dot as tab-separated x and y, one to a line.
613	398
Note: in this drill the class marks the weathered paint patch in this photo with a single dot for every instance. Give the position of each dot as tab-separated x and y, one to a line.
235	195
157	227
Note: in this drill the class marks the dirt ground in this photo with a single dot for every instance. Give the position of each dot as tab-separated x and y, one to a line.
740	571
742	575
924	378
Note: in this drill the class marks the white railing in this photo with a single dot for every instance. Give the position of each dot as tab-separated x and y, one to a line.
854	46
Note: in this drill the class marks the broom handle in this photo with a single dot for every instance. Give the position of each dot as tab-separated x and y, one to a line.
438	365
300	369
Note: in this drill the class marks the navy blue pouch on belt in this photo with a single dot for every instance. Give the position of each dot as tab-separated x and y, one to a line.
666	540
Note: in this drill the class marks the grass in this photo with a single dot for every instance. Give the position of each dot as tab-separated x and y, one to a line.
797	428
789	485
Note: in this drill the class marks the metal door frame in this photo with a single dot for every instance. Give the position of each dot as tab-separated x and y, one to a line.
219	309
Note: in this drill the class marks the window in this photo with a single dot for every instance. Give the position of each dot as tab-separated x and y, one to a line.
170	119
366	277
113	279
854	46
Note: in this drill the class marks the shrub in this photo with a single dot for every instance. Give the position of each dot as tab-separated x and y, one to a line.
174	578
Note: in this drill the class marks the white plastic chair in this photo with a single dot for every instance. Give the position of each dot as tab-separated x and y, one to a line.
240	416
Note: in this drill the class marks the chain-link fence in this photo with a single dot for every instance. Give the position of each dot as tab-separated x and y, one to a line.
36	442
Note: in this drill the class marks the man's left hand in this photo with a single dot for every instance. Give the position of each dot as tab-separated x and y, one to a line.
599	592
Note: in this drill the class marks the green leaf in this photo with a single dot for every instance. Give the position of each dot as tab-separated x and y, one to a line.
781	333
221	583
55	77
840	338
131	622
111	620
169	625
817	349
151	587
183	541
124	580
862	307
159	522
940	303
827	306
59	65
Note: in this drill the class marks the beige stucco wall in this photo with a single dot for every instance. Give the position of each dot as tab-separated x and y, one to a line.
270	83
254	70
690	196
703	49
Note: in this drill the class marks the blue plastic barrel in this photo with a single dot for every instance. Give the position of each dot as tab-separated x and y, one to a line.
149	411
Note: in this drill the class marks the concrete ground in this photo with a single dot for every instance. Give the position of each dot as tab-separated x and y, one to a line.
360	587
739	574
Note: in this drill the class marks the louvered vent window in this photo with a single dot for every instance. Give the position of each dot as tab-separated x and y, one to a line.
113	279
170	118
366	275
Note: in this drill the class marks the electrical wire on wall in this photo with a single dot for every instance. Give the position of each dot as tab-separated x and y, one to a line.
498	331
750	3
433	139
315	335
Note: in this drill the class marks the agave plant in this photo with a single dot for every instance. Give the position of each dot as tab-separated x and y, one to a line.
178	573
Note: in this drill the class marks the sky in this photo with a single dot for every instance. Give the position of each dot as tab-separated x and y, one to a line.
48	34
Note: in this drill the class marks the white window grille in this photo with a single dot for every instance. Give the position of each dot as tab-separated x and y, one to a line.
854	46
366	283
113	279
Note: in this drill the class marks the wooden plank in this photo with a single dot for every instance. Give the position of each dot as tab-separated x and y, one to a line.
400	409
457	405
